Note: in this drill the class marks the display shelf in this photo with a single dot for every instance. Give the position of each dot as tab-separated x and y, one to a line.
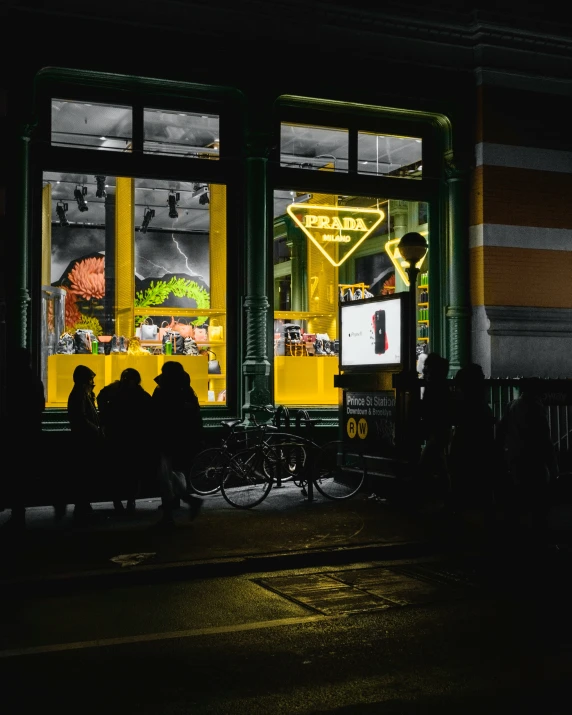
174	311
299	315
108	368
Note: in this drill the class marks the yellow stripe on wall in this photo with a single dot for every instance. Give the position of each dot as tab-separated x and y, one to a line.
520	197
520	277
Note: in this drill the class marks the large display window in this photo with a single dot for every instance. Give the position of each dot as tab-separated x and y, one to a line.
131	278
133	268
331	249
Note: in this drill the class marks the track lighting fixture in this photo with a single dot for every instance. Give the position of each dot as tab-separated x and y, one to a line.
61	209
100	192
204	198
173	201
79	194
147	216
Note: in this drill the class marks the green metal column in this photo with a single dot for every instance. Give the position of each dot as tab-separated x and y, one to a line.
256	366
458	311
18	330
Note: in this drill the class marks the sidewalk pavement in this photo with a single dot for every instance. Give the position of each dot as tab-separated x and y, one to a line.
285	531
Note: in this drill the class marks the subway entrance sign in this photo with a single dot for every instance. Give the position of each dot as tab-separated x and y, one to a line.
368	421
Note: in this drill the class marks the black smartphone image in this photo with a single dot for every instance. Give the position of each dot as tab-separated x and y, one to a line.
379	322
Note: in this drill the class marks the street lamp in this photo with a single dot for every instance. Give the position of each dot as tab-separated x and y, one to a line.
412	247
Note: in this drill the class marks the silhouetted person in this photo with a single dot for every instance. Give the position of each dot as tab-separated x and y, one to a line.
27	402
473	457
86	440
436	421
531	459
179	434
125	414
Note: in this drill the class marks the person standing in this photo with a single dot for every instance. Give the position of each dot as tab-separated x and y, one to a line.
531	459
86	437
180	426
27	401
436	422
125	413
473	457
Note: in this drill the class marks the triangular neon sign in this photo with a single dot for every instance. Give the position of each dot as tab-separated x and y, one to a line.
398	261
331	228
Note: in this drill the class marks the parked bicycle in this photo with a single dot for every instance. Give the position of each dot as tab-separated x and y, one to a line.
210	466
246	476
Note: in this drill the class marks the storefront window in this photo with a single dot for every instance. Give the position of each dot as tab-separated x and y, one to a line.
124	264
331	248
181	134
309	147
381	154
91	125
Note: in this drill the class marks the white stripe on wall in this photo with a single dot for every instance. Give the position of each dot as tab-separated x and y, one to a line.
520	157
492	234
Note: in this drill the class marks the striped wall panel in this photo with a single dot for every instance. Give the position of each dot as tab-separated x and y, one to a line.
521	277
521	215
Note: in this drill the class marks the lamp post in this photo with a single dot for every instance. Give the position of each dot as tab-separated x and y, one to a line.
412	248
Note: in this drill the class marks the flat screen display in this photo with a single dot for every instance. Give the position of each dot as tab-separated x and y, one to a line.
371	332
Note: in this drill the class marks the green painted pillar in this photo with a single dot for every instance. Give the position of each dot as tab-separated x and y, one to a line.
458	309
18	330
256	366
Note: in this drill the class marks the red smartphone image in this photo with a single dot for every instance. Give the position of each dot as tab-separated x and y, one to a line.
379	331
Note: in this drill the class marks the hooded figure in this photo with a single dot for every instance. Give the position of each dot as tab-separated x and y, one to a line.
82	412
125	413
86	438
179	431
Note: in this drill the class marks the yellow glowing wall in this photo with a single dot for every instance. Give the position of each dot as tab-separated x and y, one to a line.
322	283
124	257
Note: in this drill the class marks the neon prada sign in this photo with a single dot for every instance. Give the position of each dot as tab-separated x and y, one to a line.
335	228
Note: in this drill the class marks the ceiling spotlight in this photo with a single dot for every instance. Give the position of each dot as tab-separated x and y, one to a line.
61	209
79	193
204	198
147	216
173	201
100	191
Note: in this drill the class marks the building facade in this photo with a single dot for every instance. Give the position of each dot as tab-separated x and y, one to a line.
230	174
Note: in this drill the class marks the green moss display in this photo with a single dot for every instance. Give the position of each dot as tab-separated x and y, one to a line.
158	292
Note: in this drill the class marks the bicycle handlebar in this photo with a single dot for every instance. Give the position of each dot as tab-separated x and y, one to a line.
260	408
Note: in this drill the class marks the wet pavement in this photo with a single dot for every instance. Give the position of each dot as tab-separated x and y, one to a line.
285	531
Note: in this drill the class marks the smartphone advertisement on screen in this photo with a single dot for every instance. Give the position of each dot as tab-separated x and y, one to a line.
370	332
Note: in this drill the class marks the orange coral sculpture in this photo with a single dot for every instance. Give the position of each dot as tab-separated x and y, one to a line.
73	314
389	285
87	278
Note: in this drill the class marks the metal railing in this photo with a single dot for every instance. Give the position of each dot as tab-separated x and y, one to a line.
557	398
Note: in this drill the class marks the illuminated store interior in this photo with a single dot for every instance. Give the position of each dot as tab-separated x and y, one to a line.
130	259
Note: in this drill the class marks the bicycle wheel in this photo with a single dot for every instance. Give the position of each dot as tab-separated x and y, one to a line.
246	483
340	472
285	458
209	469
